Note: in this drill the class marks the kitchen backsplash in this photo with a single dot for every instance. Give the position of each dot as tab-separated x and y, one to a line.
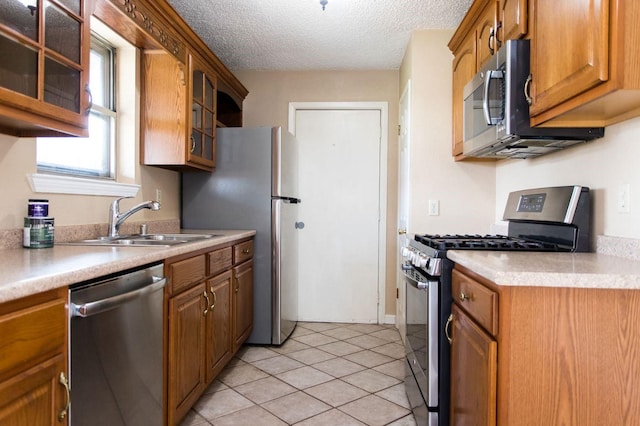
12	238
628	248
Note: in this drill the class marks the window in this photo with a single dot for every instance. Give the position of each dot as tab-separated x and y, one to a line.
93	156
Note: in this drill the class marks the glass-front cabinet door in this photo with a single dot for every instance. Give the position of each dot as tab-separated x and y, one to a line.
44	67
203	116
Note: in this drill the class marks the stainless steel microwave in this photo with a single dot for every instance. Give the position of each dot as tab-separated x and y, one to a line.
496	111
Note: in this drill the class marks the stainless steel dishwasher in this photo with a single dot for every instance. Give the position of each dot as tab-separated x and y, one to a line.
116	349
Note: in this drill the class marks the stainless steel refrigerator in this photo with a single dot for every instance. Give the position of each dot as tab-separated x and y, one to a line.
255	186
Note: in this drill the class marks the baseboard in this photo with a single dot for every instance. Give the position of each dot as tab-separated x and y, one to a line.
390	319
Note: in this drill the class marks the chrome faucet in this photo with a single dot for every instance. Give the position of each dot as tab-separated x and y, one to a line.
116	218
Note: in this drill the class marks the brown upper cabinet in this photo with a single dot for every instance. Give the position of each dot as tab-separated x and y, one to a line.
45	68
186	91
585	62
483	29
178	112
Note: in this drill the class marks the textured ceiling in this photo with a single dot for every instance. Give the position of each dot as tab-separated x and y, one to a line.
299	35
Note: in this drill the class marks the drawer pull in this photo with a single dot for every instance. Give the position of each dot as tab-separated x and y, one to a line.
246	251
64	382
446	328
464	297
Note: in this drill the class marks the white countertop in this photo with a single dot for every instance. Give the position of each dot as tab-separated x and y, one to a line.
586	270
28	271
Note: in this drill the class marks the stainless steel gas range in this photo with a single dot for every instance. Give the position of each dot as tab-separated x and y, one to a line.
553	219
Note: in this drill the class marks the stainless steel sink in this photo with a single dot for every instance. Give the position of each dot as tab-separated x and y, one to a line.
146	240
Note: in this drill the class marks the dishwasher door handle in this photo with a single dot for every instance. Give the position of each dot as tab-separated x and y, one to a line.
92	308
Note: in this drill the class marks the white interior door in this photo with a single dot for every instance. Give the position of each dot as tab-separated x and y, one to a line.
339	184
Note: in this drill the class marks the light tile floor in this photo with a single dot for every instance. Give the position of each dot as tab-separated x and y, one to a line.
324	374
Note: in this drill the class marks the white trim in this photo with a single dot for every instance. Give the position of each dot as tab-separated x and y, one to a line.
383	107
57	184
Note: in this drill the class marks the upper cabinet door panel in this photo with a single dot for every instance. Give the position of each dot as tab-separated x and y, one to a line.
485	30
464	68
570	50
63	33
513	17
20	18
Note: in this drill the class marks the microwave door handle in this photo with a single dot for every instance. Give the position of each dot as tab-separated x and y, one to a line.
495	74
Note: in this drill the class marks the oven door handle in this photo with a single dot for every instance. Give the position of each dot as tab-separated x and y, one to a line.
421	285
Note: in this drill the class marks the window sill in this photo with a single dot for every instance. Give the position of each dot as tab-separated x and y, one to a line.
57	184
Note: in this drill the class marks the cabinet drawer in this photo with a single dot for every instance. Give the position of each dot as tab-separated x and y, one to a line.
186	272
32	334
480	302
242	252
219	260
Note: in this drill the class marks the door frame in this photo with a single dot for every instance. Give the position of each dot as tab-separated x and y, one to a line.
383	108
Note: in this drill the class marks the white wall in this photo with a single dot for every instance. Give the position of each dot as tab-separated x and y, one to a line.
465	190
603	165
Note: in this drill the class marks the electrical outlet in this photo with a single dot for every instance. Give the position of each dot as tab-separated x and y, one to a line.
158	195
624	198
434	207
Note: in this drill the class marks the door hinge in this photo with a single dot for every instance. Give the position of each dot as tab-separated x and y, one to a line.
397	293
399	127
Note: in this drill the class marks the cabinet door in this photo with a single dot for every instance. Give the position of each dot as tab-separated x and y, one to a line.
485	35
33	360
473	373
36	397
42	87
242	302
569	50
513	15
187	313
203	115
163	109
219	345
464	68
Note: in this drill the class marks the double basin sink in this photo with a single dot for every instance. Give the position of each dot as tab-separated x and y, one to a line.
142	240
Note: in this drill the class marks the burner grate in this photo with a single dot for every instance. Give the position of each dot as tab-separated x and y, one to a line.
485	242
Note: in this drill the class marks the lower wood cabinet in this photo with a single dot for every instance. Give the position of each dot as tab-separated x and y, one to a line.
210	315
186	351
242	303
543	355
473	372
218	328
34	387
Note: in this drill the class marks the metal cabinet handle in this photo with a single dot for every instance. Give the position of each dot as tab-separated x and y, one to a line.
527	89
64	382
206	296
446	328
246	251
402	231
193	143
492	36
237	285
464	296
213	305
90	105
497	33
